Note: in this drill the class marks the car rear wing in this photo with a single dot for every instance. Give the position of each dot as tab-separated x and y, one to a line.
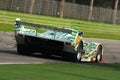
19	23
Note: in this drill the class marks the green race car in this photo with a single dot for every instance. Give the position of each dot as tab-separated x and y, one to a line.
65	42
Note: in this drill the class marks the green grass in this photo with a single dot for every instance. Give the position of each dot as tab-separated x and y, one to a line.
6	27
91	29
60	71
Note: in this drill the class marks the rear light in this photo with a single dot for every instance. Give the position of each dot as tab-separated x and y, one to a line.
67	43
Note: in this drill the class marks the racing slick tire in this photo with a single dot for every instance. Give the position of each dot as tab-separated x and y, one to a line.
79	52
23	50
99	54
46	54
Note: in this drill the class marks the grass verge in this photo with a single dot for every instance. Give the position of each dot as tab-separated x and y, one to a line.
91	29
60	71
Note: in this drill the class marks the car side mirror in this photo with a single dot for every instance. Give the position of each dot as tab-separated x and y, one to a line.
81	33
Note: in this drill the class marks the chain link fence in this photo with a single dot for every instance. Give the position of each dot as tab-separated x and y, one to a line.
52	8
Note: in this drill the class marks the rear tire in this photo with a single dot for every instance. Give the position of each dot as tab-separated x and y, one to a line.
46	55
23	50
78	55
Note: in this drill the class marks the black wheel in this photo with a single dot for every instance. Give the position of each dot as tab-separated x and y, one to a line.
23	50
99	54
46	53
79	52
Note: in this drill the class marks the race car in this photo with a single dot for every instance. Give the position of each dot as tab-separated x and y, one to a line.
49	40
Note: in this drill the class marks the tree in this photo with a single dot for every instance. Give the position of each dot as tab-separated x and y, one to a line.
90	9
31	6
62	8
115	11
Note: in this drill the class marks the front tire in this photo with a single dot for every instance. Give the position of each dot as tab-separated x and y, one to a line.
99	54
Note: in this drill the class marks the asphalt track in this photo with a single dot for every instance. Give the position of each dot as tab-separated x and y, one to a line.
8	53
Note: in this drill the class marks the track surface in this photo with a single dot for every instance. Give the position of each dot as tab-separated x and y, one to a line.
8	53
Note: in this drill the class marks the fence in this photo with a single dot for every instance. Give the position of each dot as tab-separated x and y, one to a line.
52	8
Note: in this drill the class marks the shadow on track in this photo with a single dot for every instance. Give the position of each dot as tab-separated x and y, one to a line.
36	55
